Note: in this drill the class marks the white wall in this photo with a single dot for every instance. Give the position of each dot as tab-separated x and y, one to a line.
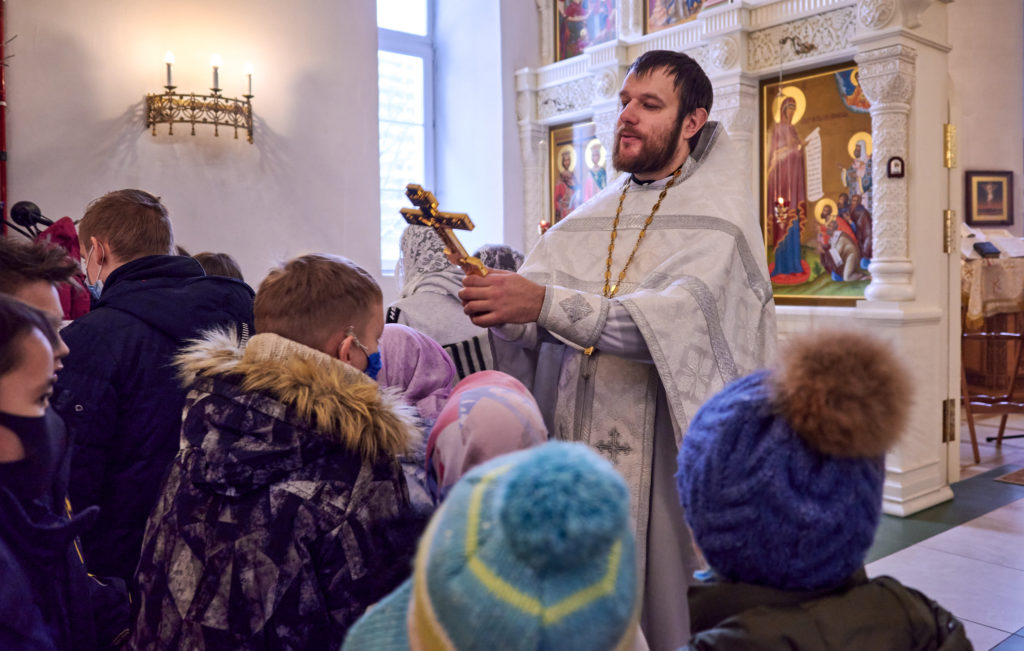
520	48
986	67
75	91
468	116
479	166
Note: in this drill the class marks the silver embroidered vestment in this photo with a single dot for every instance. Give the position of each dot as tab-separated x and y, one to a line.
697	291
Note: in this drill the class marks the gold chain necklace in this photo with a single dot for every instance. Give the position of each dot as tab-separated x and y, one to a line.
610	291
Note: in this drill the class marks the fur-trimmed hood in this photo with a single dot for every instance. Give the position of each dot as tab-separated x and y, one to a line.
299	386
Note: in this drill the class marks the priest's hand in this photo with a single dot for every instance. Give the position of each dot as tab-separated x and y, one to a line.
501	297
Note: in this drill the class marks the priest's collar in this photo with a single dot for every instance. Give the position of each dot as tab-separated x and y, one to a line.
653	183
709	133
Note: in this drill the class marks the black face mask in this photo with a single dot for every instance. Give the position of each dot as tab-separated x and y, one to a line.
44	439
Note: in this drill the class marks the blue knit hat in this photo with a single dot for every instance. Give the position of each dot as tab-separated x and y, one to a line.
531	550
780	474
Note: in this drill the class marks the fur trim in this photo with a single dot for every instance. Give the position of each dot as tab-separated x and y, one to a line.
843	391
331	398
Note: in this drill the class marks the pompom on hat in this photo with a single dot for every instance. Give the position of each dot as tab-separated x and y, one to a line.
780	474
531	550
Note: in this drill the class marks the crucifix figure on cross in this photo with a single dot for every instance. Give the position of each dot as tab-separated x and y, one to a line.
427	214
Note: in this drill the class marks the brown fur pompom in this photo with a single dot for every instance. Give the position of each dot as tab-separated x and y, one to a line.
843	391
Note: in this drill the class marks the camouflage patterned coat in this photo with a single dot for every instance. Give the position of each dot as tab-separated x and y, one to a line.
285	514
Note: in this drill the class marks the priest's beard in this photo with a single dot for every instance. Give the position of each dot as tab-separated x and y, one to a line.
655	154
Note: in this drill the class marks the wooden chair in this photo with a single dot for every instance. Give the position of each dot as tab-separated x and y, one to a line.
1003	403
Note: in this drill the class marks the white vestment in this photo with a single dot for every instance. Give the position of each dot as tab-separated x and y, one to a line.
696	303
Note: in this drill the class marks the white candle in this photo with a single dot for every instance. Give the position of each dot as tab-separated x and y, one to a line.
248	74
169	60
215	62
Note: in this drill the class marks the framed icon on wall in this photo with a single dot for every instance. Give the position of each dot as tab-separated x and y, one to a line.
578	163
816	185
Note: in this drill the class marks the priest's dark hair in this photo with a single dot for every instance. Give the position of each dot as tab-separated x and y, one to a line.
691	83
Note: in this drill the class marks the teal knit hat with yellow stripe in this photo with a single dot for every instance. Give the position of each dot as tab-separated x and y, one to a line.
531	550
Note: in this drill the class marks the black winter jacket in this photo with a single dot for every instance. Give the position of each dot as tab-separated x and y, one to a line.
880	614
119	396
47	598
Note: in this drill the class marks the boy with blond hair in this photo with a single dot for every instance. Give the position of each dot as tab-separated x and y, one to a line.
286	513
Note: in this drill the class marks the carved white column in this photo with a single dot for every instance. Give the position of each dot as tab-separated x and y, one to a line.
632	24
735	106
545	20
887	77
533	149
608	66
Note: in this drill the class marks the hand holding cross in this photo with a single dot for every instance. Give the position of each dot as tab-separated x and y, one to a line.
427	214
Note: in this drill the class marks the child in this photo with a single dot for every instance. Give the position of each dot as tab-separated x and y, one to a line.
285	514
780	477
531	550
48	600
417	367
488	414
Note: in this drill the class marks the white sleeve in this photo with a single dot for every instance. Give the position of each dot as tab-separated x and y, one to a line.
591	320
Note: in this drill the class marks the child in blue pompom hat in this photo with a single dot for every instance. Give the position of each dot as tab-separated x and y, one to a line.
531	550
780	477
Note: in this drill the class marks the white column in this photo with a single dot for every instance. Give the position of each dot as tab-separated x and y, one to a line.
735	106
887	77
533	147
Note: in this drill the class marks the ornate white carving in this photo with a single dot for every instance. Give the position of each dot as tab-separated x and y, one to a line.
523	99
887	78
546	18
735	106
604	130
634	23
887	74
606	85
912	12
829	32
889	138
875	14
723	53
565	98
534	147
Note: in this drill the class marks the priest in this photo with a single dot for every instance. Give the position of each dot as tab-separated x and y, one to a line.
641	304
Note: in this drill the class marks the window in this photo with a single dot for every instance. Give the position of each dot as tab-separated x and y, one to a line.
405	65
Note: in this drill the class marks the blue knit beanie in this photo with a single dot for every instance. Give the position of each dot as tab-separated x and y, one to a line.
780	474
531	550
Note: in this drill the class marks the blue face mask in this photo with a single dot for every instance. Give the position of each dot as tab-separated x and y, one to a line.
373	365
96	288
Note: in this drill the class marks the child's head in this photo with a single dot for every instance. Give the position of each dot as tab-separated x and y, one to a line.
780	474
488	414
532	550
219	264
30	449
325	302
418	366
125	225
26	359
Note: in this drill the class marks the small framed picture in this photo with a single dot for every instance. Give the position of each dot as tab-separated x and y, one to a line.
988	198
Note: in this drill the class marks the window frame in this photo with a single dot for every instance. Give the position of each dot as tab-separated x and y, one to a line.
421	47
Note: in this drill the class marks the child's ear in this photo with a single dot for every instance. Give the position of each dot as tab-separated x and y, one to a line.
345	349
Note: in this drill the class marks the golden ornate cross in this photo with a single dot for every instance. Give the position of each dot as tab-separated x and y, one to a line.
427	214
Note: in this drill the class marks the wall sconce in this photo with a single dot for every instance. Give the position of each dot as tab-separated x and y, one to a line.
215	109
